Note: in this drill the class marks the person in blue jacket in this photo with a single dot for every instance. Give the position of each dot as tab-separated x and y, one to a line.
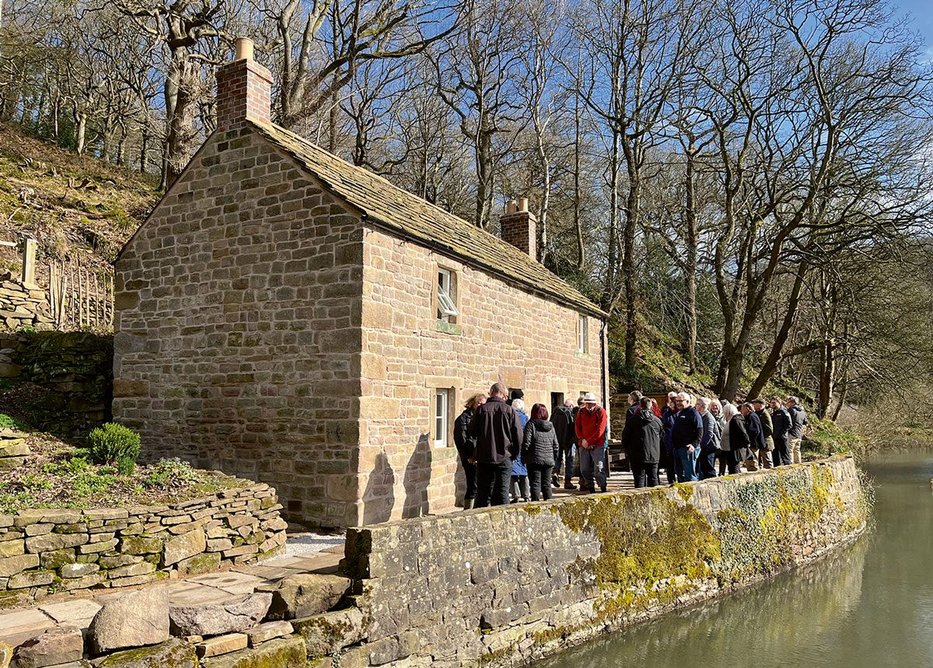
685	437
520	490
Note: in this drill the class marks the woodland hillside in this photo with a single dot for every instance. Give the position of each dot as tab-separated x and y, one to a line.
744	186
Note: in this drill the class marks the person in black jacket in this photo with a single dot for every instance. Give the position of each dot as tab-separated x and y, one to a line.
539	451
642	439
566	438
781	424
498	434
798	420
686	435
466	445
739	442
756	436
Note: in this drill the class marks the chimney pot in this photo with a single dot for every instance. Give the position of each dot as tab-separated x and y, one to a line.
510	207
244	89
244	48
523	204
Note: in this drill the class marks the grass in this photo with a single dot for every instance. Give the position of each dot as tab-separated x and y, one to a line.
75	206
828	438
57	475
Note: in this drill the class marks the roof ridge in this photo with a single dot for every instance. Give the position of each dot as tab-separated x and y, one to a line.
422	224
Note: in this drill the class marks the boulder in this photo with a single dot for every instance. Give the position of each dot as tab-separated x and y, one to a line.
305	595
135	619
61	644
174	653
234	615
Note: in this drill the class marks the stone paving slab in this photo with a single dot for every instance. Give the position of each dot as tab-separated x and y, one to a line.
21	625
232	582
78	612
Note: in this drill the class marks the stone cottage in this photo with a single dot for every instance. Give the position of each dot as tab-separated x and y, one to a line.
288	317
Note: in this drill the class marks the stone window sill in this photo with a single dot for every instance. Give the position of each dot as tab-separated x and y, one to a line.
447	327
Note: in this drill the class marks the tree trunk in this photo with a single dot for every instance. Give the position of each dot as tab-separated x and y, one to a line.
780	340
690	263
577	218
633	205
827	377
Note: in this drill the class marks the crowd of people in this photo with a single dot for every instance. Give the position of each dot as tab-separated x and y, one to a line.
695	439
510	455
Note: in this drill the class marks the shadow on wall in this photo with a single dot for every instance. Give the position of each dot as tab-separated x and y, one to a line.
379	497
417	479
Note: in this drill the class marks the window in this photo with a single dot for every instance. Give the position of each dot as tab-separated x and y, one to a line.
441	421
583	338
446	295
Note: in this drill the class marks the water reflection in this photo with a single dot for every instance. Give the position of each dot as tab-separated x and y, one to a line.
868	605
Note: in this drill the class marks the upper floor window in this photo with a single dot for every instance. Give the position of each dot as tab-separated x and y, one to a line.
446	295
583	338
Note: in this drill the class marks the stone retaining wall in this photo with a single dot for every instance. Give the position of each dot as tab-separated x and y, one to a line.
506	585
22	306
44	551
71	374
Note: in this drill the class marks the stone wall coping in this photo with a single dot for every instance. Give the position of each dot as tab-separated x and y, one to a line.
429	519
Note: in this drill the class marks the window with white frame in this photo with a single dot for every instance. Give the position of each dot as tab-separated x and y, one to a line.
446	295
441	417
583	338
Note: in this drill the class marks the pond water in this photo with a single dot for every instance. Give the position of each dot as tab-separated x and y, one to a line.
869	605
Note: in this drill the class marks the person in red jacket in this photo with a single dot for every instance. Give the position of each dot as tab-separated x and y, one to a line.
590	426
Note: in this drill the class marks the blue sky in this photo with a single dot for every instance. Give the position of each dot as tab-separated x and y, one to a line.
921	14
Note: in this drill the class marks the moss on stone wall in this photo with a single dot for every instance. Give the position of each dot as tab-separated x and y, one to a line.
651	546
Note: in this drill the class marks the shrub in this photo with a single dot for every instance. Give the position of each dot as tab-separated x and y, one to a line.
7	422
113	442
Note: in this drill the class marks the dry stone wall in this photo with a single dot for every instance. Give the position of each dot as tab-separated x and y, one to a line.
505	585
22	306
44	551
70	377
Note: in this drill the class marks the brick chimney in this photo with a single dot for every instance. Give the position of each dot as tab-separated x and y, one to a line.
244	89
520	228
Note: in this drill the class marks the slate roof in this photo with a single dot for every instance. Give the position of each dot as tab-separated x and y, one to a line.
412	217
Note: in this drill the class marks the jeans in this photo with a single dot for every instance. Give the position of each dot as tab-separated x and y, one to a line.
593	468
565	461
646	475
469	474
667	463
685	464
519	488
492	484
539	476
706	464
782	455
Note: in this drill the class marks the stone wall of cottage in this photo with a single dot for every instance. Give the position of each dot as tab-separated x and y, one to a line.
503	586
238	327
50	550
503	333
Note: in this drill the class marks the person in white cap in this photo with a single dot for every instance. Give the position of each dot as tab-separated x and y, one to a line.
590	426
